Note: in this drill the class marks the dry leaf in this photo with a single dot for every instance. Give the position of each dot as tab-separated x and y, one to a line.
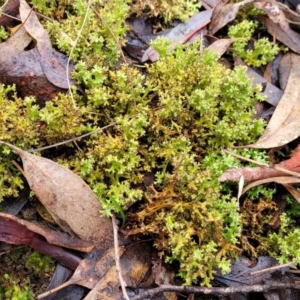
282	180
69	200
135	264
291	40
182	32
265	172
48	242
283	126
224	13
220	46
53	67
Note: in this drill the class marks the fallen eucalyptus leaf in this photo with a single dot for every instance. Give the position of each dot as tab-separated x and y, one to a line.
69	200
283	126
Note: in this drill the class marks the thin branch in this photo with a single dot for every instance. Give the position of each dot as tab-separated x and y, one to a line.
216	290
290	264
117	258
73	139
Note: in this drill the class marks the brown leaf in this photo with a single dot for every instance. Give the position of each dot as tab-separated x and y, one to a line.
69	200
53	68
291	40
89	272
224	13
220	46
135	264
46	241
23	68
260	173
283	126
10	8
241	271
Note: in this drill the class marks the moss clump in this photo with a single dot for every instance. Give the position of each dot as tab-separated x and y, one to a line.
168	10
170	121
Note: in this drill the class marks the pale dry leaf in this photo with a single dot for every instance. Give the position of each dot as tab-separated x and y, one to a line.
284	124
293	191
220	46
281	180
69	200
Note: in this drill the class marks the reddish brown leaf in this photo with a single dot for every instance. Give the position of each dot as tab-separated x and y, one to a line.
69	200
48	242
259	173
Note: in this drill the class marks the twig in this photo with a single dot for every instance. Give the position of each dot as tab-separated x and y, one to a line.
72	50
216	290
271	269
117	258
73	139
263	164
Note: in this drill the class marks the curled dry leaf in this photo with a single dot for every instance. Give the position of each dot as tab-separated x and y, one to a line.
69	200
282	180
283	126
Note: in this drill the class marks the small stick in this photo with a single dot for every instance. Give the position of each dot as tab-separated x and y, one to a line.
216	290
290	264
117	258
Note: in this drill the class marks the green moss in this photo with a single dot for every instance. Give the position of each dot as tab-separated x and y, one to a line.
39	263
262	52
168	10
13	289
171	120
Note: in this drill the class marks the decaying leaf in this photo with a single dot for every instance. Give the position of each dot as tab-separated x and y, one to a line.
48	242
39	72
52	67
287	36
135	264
89	271
182	32
69	200
283	126
224	13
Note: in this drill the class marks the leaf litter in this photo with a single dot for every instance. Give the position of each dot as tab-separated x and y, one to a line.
71	202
